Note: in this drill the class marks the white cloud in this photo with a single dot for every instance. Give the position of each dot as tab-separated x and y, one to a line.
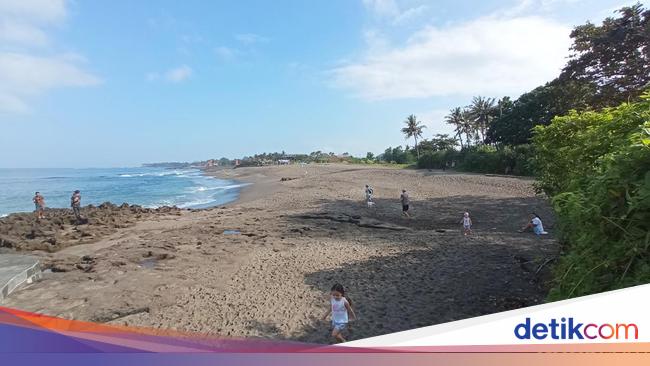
179	74
174	75
613	10
410	14
24	71
21	33
10	103
553	7
376	43
23	76
551	3
391	10
435	121
225	53
39	11
387	8
250	38
484	56
21	22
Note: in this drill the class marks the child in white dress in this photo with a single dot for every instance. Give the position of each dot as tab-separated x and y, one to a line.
340	306
467	224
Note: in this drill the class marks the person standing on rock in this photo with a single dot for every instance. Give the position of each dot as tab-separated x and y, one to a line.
404	198
75	203
39	205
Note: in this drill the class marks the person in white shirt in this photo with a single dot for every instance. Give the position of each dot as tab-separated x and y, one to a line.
340	306
369	193
467	224
535	224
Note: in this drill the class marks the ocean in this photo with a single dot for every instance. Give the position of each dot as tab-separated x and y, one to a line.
148	187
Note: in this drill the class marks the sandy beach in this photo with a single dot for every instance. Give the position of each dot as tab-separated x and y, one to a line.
263	266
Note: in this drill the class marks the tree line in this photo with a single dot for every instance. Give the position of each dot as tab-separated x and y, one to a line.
608	64
586	135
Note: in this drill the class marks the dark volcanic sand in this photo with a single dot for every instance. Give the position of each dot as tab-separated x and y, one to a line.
298	237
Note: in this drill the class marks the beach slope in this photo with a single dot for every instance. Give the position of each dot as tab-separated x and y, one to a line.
263	266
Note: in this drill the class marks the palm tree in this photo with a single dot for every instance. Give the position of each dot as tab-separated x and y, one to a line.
413	129
482	110
456	119
504	104
468	126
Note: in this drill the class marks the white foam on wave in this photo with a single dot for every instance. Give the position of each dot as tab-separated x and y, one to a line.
233	186
161	204
189	204
199	202
203	192
179	173
219	188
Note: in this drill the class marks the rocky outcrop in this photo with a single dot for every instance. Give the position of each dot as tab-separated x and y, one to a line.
59	229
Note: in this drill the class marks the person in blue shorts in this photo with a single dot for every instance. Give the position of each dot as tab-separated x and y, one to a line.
340	306
39	205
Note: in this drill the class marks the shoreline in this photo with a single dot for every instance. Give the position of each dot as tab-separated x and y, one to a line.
222	270
256	186
133	201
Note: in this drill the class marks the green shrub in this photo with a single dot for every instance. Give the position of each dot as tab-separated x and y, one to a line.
596	166
398	155
482	159
524	162
569	148
436	159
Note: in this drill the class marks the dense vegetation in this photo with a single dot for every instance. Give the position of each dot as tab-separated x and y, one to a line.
313	157
586	136
596	167
516	160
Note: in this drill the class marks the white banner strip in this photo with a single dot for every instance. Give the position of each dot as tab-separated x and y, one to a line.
614	316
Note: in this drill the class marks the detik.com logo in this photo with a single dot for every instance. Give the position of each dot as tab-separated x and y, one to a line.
568	328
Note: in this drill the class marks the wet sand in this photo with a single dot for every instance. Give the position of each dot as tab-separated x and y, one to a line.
263	266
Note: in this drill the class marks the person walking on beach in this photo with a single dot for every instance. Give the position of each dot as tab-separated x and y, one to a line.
404	198
340	306
467	224
369	193
75	203
535	224
39	205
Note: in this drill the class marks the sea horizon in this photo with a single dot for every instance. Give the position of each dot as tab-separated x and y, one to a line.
145	186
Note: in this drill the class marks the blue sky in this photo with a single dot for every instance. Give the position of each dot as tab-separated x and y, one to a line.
118	83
